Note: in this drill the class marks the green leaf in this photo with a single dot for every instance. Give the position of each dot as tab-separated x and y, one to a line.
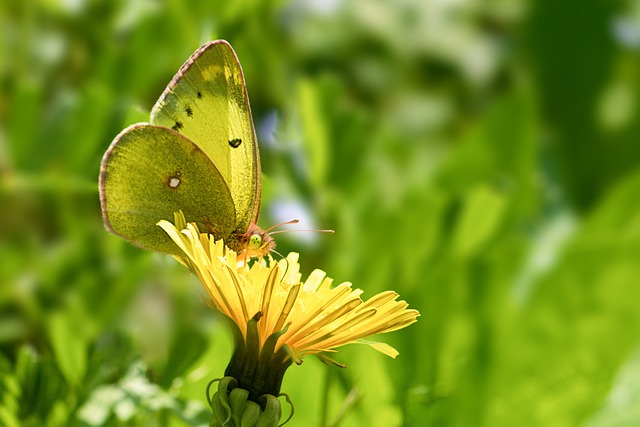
481	216
314	133
69	347
561	353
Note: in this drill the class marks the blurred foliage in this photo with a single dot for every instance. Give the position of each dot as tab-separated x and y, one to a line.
481	158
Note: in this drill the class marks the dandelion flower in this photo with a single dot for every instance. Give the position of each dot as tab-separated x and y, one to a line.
278	318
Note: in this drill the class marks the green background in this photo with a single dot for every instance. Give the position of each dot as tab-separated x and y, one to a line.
481	158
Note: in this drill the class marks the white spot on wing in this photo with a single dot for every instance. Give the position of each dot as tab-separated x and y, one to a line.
174	182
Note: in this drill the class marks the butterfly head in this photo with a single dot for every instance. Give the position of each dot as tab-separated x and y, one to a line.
256	242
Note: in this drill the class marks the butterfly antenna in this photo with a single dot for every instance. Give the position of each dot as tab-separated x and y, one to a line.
313	230
293	221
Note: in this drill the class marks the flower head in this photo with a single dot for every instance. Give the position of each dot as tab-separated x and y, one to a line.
279	318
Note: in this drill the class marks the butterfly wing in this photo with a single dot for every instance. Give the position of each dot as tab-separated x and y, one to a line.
207	102
150	172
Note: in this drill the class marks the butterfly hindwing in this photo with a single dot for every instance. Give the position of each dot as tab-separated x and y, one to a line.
150	172
207	102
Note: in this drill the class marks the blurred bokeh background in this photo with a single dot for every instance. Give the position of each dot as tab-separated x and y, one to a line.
481	158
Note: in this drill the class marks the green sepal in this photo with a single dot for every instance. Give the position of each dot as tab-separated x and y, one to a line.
272	365
220	406
231	407
250	415
293	409
244	360
237	401
271	414
218	416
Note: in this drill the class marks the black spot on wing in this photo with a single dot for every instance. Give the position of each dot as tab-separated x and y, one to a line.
199	95
189	111
235	142
177	126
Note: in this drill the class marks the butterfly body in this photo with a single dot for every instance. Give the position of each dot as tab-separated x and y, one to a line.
198	154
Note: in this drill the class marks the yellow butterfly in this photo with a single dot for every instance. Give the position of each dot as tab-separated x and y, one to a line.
198	154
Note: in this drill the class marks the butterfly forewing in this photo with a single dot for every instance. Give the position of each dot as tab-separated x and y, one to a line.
207	102
150	172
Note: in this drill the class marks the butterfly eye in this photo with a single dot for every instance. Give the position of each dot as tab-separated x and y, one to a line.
255	241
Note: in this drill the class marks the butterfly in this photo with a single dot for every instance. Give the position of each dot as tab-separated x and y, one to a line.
198	154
